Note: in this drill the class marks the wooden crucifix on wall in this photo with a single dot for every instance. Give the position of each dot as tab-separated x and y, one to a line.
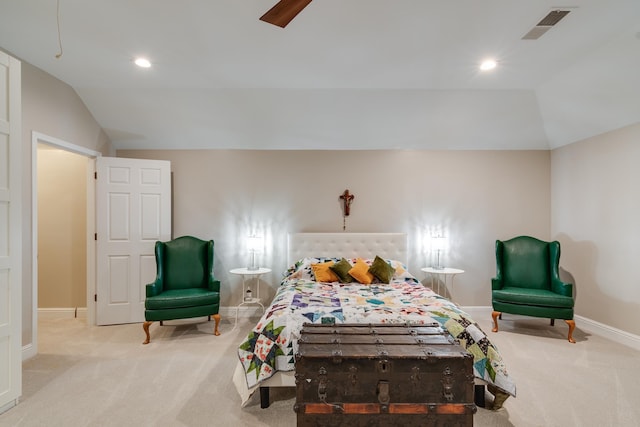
346	198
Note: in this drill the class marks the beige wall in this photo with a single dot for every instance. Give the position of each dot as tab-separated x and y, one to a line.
595	206
475	197
53	108
583	194
62	229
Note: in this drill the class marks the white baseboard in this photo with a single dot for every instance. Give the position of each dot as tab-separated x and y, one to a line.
583	323
28	351
81	312
62	313
244	311
614	334
478	311
8	406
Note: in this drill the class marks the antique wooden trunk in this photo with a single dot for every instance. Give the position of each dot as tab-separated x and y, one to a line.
382	375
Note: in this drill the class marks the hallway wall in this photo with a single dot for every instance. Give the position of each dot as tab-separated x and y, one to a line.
62	228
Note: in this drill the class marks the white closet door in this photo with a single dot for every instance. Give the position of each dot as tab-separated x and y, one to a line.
10	233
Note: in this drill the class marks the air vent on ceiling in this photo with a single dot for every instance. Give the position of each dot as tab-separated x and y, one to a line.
545	24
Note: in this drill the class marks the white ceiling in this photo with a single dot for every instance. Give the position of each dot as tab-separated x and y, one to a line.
345	74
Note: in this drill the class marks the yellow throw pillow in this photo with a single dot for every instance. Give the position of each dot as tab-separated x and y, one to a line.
360	272
323	273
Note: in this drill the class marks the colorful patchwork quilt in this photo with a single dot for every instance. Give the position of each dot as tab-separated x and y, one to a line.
272	343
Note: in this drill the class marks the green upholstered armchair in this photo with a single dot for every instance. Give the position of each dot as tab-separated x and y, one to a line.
185	286
527	282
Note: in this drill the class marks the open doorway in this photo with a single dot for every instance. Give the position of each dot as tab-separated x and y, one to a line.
63	197
62	232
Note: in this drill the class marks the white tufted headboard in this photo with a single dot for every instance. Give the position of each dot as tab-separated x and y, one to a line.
347	245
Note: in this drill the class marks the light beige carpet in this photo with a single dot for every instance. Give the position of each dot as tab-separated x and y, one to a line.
104	376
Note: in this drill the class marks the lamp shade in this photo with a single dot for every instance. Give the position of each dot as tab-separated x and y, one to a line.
254	243
438	243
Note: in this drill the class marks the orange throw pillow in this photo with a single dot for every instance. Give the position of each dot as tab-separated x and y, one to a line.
323	273
360	272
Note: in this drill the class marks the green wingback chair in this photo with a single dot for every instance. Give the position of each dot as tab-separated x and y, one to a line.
185	286
527	282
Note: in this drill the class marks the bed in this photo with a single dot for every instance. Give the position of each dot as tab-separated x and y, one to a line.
266	356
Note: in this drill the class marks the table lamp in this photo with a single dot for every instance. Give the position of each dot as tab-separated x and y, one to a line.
438	244
254	243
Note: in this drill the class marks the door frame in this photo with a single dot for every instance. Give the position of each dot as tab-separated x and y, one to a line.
40	138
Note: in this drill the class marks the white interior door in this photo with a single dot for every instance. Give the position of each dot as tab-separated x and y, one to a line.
133	211
10	233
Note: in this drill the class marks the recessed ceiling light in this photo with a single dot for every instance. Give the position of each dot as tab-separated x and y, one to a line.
142	62
488	64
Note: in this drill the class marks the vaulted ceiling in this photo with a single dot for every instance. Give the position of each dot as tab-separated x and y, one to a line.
344	74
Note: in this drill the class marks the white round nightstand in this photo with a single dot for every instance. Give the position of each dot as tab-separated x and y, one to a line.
445	272
247	274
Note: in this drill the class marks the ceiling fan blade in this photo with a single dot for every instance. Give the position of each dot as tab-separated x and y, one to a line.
284	11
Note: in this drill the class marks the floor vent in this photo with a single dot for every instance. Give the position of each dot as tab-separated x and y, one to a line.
545	24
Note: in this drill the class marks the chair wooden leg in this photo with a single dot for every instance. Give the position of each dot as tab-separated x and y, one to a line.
145	326
495	315
216	318
553	322
572	326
